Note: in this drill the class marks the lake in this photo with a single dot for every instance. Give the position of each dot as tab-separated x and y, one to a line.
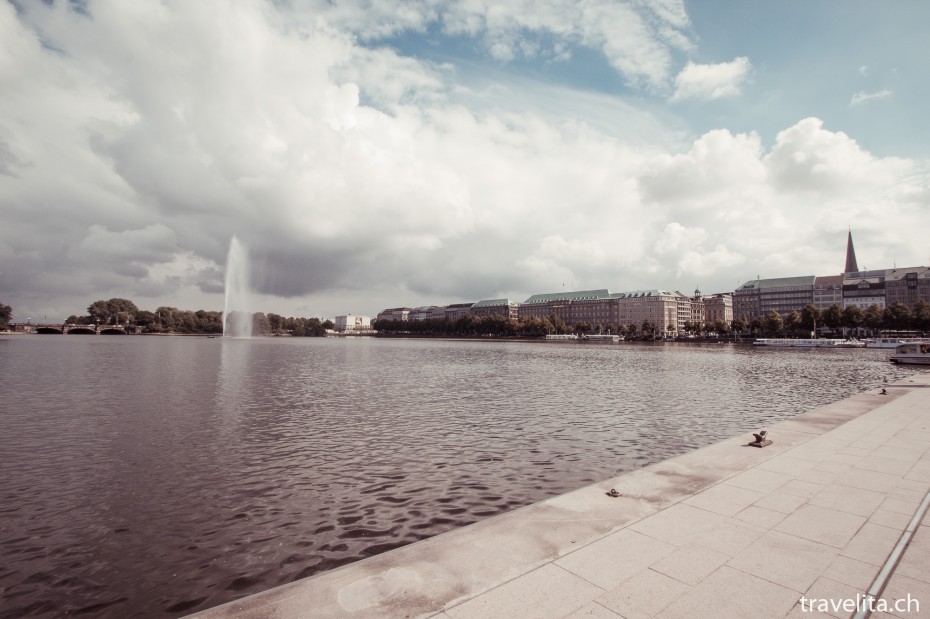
145	476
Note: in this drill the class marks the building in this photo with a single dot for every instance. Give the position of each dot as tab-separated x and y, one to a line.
421	313
351	322
659	307
828	290
697	313
496	307
907	286
718	307
758	297
457	310
560	304
395	313
864	289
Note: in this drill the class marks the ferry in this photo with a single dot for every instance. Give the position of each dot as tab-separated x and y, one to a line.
893	342
912	354
561	337
809	343
604	339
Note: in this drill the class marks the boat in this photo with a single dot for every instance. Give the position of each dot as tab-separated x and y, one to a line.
912	354
809	343
893	342
601	339
561	337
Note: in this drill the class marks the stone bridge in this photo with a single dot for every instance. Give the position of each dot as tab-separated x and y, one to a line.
45	329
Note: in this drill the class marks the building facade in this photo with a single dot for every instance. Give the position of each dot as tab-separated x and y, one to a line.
495	307
351	322
756	298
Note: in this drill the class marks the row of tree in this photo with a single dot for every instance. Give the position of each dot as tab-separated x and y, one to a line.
173	320
6	315
874	319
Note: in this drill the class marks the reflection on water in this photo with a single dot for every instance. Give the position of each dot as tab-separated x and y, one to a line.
146	476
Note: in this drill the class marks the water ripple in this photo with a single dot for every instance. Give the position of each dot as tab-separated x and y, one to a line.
145	475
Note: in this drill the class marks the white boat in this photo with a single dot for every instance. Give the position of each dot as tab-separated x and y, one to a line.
561	337
603	339
809	343
893	342
912	354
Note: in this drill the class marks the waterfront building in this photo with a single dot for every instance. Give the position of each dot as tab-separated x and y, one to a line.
457	310
395	313
421	313
907	286
864	289
718	307
560	304
351	322
758	297
495	307
697	311
828	290
660	307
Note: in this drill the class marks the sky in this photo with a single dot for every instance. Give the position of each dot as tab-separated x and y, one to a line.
402	153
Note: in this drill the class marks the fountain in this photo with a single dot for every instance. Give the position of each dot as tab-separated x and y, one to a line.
237	315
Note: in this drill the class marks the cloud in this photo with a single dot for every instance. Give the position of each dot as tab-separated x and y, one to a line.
707	82
862	96
136	139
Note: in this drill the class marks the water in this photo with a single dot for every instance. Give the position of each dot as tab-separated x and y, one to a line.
237	310
157	476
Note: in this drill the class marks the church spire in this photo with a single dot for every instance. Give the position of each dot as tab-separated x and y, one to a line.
851	265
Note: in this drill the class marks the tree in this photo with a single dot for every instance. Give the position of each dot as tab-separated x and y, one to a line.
833	317
774	323
329	324
898	316
739	324
721	326
874	317
853	317
922	315
756	324
809	317
6	315
792	321
649	329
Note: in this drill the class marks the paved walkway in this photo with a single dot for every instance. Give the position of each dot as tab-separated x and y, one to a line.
724	531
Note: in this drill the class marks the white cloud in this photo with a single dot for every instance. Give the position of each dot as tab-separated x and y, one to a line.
862	96
707	82
157	131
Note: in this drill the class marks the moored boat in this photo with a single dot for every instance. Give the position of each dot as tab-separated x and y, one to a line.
893	342
808	343
912	354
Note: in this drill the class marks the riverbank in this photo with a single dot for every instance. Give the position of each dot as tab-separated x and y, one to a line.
726	530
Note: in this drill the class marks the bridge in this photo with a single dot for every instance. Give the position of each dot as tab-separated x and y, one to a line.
73	329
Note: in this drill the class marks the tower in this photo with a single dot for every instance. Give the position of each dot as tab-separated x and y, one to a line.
851	265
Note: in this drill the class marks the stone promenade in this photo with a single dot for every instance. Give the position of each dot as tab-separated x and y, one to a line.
724	531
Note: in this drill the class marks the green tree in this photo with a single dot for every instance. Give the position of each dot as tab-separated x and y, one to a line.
874	317
721	326
649	329
739	324
833	317
922	315
792	321
810	316
853	317
329	324
898	316
774	323
6	315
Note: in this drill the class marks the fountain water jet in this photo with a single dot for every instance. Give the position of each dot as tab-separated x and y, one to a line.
237	313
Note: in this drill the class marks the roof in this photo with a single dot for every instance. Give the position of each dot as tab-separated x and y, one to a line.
642	293
578	295
778	282
494	303
826	280
895	274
